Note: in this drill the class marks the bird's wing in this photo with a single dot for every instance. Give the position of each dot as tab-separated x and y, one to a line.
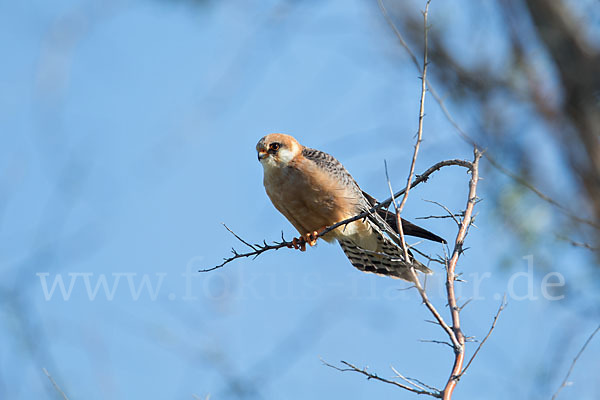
389	260
335	169
408	227
330	165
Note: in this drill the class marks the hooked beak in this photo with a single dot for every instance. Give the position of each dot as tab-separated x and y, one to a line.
262	154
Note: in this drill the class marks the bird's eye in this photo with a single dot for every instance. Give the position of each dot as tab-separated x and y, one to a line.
274	146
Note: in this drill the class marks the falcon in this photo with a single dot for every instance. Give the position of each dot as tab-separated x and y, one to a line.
313	190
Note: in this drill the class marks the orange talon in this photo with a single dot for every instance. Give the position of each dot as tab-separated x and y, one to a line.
303	245
312	237
298	244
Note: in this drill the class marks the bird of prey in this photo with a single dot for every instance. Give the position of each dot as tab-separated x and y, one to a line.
313	190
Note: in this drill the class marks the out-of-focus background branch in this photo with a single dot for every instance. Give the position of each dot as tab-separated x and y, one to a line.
537	71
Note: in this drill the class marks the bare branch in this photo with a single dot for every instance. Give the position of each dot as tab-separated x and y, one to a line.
436	342
450	214
464	305
453	332
259	250
56	387
575	243
500	309
370	375
409	379
459	354
565	381
392	25
415	382
459	215
438	317
400	207
438	260
240	239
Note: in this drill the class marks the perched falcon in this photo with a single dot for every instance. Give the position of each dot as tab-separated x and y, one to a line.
313	190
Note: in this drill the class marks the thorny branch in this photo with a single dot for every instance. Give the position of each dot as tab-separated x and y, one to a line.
454	332
453	216
459	351
413	388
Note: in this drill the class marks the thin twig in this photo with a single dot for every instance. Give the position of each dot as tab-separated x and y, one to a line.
400	207
500	309
438	317
565	381
56	387
369	375
392	25
464	305
577	244
432	388
427	256
450	214
460	215
260	249
239	238
415	382
436	342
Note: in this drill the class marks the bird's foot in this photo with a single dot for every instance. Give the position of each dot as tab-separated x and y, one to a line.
311	237
298	243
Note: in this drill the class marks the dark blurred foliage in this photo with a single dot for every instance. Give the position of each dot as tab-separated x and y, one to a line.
539	96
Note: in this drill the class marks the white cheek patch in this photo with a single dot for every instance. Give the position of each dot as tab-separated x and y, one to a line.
273	162
285	156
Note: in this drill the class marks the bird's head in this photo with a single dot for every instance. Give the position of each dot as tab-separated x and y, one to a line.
277	150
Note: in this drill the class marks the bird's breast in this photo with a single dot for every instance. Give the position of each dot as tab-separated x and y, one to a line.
309	198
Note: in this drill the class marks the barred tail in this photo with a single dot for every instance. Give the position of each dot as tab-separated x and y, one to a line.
389	262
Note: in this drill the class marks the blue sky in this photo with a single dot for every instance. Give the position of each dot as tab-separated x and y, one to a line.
128	134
